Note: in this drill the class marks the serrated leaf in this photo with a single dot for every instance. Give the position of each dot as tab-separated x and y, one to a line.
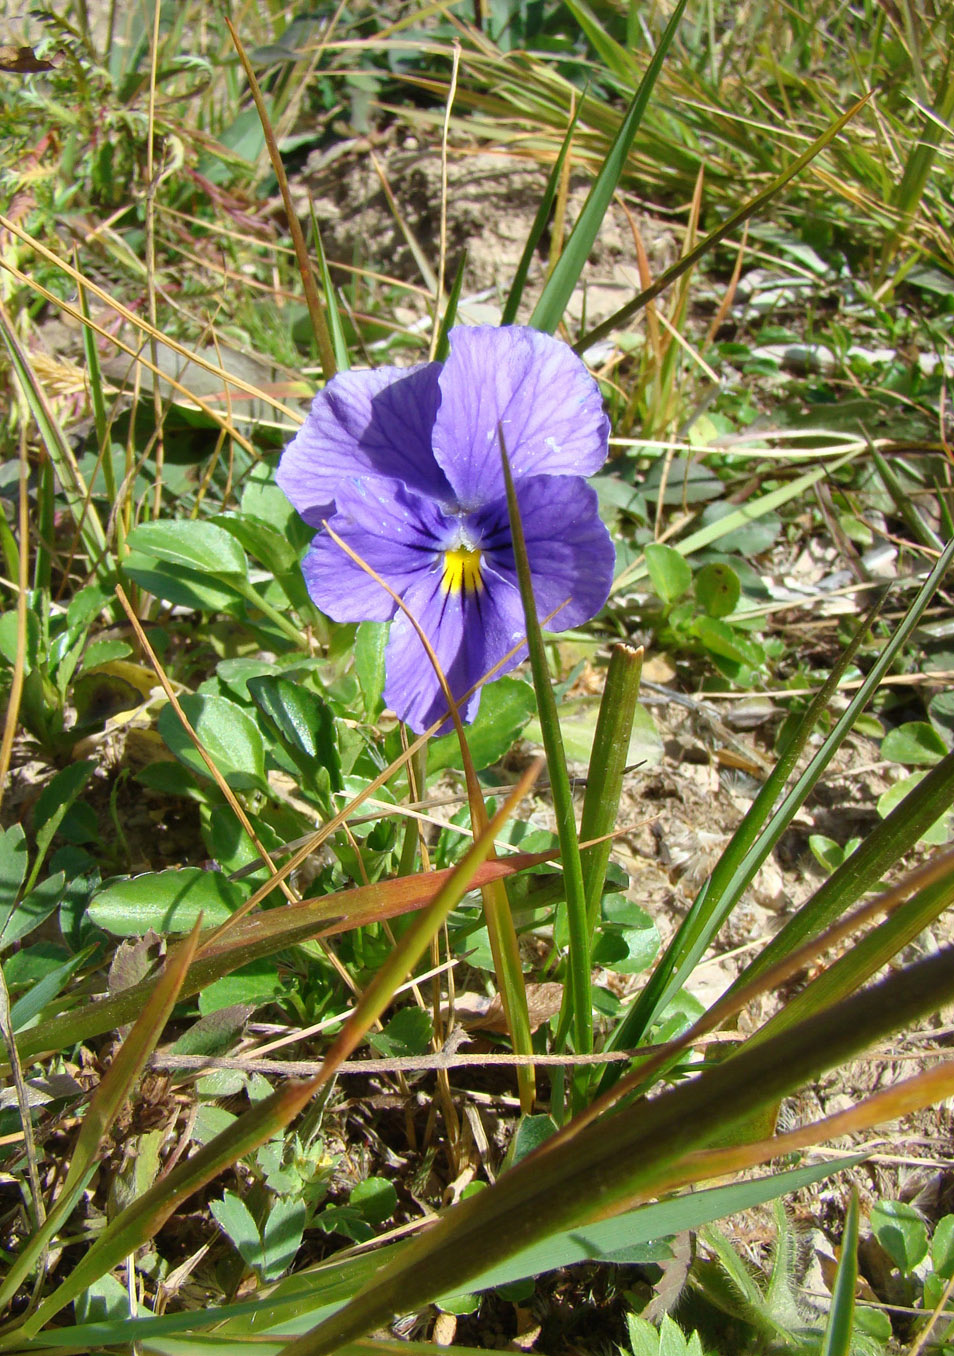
200	546
228	734
165	901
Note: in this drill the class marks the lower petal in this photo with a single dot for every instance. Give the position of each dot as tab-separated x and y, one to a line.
469	633
569	549
399	534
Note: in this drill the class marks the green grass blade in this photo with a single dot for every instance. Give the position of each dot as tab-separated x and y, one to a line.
919	529
106	1104
604	782
549	310
450	312
613	54
539	224
577	1000
61	457
728	227
572	1177
336	329
751	843
883	847
841	1315
869	953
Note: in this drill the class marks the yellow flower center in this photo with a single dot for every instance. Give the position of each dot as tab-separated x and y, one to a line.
462	571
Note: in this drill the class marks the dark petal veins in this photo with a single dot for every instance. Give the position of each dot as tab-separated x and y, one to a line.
537	389
401	535
469	634
570	552
374	423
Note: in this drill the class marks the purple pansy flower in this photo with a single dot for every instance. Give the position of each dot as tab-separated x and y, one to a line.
404	464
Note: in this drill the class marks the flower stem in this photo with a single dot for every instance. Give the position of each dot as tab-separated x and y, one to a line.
251	595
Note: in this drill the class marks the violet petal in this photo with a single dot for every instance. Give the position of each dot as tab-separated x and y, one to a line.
536	388
371	423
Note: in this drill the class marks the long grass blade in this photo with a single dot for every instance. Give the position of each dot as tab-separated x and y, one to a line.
558	1184
577	1003
728	227
549	310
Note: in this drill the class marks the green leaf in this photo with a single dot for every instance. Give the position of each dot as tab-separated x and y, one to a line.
14	860
282	1234
916	744
578	720
369	646
505	708
407	1033
165	901
32	911
235	1220
182	587
669	573
722	639
26	1009
901	1232
942	1247
717	590
750	540
198	545
227	733
302	719
256	983
549	310
941	715
376	1198
939	832
260	540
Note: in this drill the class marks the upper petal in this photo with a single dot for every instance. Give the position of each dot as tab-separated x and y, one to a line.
570	552
469	633
401	535
537	389
378	422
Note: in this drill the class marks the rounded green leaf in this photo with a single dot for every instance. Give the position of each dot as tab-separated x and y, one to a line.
941	714
376	1198
717	590
940	831
916	744
668	571
197	545
227	733
901	1232
165	901
942	1247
